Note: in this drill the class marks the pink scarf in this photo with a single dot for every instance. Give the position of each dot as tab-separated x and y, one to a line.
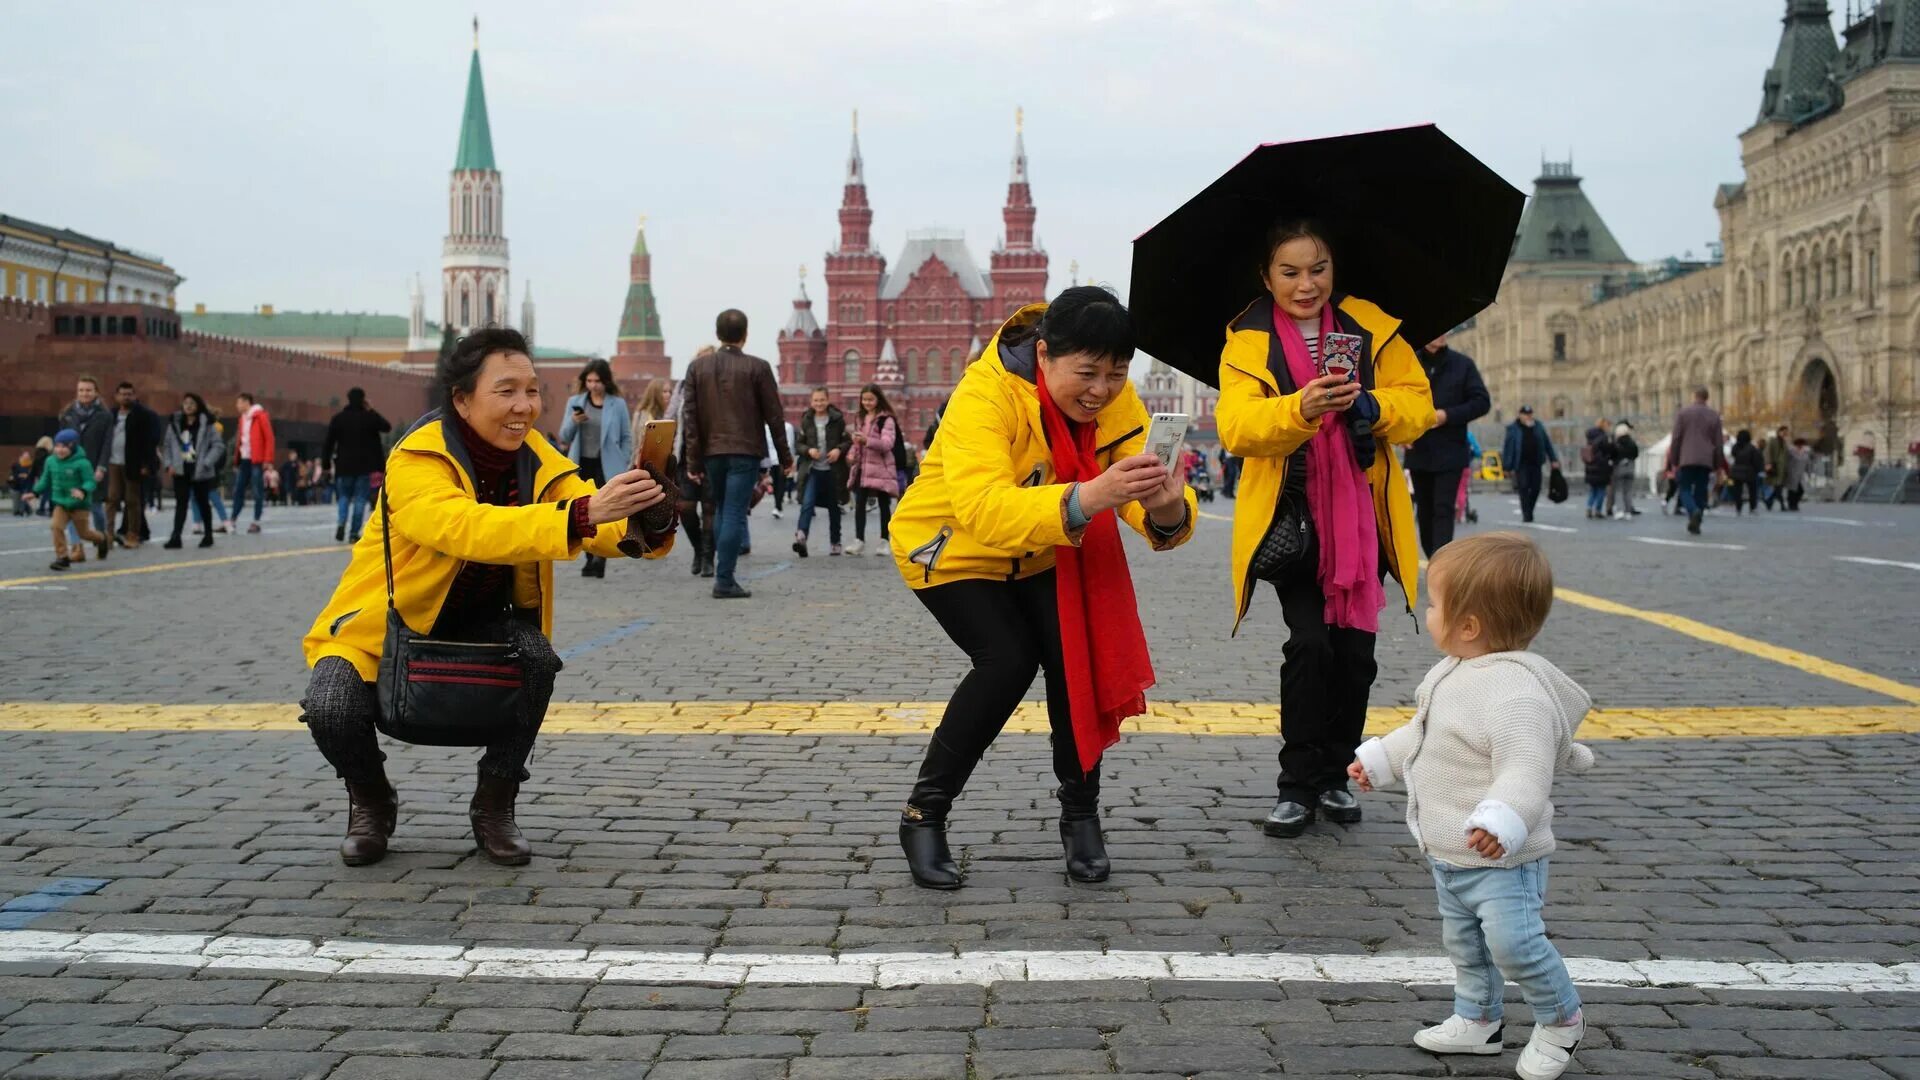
1338	497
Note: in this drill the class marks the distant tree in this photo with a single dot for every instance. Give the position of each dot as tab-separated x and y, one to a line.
446	342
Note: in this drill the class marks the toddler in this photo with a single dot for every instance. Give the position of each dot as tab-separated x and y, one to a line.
1492	723
66	481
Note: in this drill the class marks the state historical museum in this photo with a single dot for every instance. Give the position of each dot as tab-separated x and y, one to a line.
911	329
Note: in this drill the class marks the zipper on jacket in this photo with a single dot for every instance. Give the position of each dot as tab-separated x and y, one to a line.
928	554
1393	551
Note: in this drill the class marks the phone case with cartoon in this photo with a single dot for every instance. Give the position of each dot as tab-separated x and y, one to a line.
1340	354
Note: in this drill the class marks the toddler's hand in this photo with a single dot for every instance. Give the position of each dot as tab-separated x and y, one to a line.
1483	842
1358	774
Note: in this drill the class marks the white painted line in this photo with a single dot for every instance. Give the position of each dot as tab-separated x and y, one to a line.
33	588
1548	528
1668	542
1877	562
266	954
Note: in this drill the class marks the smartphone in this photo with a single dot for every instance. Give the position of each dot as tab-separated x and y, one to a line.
656	446
1340	354
1165	433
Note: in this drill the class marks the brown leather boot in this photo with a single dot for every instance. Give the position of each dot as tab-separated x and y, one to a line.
493	828
372	809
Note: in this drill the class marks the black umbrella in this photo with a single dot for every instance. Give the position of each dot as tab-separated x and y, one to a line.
1418	226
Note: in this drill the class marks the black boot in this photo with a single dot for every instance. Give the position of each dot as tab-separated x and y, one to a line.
494	830
706	557
923	823
1080	829
372	809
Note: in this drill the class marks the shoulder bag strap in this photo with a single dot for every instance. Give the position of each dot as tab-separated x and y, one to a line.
386	539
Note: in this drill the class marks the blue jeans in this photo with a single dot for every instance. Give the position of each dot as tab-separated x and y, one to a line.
1490	922
219	509
1693	487
246	474
819	492
730	480
1596	497
354	490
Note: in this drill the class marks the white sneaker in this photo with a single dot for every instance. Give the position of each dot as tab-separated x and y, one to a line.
1550	1050
776	513
1459	1035
884	549
854	548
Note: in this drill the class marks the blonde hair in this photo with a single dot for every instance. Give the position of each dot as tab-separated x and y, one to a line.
653	402
1501	578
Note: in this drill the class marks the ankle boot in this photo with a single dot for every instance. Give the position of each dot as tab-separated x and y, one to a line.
372	809
1080	830
923	822
493	827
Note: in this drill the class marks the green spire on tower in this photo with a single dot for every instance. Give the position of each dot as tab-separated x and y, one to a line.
476	138
640	318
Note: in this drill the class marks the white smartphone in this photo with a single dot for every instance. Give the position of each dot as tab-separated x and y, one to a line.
1165	433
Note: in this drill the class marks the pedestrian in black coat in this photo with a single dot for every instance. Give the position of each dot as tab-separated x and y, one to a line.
1436	459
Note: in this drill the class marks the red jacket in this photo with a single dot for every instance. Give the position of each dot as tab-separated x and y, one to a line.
259	436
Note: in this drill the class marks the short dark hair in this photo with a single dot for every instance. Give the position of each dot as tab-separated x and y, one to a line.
1288	228
356	396
124	385
1699	393
597	366
820	390
245	396
731	326
1085	318
459	370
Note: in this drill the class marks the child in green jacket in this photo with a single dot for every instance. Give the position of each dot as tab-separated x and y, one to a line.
66	481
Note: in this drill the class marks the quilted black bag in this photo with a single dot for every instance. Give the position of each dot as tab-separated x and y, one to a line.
445	693
1290	539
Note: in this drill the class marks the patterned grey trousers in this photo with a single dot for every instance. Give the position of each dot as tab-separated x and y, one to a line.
340	708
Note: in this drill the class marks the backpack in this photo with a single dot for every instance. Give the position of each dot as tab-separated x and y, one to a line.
1587	454
899	448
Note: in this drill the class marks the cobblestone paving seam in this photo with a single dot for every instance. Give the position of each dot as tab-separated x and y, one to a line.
918	718
881	969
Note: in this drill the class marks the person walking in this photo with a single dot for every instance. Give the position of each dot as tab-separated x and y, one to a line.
67	483
597	437
191	454
1528	448
1695	451
1438	459
821	444
132	454
1318	460
1778	450
1747	465
782	482
20	482
252	458
42	450
1799	461
93	421
732	399
1620	486
1229	473
1010	538
1596	460
469	533
873	470
355	451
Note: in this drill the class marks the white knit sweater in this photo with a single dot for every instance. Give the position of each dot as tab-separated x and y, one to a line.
1486	737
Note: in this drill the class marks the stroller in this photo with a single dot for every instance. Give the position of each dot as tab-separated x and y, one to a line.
1201	481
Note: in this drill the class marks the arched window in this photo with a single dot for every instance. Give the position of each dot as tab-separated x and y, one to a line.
913	365
466	308
852	368
490	319
486	212
913	311
893	313
959	358
1833	274
953	311
466	209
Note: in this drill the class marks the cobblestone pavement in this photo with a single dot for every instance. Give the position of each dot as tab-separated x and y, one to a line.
1798	857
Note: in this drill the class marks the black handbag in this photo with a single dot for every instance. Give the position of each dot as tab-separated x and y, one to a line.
1290	538
1557	487
445	693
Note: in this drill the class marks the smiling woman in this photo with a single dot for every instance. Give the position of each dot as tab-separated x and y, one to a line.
468	513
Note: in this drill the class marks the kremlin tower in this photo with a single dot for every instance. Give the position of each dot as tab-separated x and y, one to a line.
640	354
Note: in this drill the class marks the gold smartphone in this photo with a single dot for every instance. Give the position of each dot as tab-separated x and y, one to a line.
656	446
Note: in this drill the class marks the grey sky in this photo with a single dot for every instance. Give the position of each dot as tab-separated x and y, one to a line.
297	154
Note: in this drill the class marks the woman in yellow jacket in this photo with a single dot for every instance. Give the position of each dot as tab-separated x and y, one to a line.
480	506
1319	448
1009	539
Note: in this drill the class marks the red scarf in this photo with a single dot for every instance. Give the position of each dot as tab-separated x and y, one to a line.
1108	669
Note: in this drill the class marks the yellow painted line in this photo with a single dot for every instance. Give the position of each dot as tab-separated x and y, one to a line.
1793	658
191	564
784	718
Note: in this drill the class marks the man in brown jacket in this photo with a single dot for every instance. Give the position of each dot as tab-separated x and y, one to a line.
1698	447
732	403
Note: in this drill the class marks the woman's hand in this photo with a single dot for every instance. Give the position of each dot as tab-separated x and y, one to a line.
859	436
1169	500
624	496
1125	481
1328	393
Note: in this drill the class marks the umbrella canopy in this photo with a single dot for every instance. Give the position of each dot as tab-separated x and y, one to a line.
1417	224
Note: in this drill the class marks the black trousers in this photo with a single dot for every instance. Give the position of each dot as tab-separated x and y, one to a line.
590	469
1526	482
860	497
340	707
1326	673
1434	494
1011	631
200	492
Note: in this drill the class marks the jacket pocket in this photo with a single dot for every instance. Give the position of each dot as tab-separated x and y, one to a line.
928	554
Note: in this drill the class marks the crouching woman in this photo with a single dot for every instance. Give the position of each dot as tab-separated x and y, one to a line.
477	507
1010	539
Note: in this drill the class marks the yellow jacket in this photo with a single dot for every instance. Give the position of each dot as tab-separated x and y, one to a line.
986	505
1260	420
437	528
